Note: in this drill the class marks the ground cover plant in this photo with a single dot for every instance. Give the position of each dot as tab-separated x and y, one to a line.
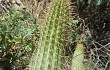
17	39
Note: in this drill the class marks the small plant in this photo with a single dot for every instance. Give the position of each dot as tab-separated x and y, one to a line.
17	37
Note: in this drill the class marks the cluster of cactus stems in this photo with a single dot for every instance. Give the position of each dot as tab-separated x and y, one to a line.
53	36
53	32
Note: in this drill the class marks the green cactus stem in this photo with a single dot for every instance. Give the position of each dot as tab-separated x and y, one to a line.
78	57
53	32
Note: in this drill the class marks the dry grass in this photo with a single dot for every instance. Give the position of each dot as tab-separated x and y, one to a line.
36	7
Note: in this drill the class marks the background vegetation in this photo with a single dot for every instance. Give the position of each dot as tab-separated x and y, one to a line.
55	35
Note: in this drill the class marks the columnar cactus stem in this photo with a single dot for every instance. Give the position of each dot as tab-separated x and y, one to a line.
53	34
78	57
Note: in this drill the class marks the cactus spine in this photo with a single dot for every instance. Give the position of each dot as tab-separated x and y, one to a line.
53	34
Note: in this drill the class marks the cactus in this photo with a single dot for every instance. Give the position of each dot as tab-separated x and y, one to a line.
78	57
53	32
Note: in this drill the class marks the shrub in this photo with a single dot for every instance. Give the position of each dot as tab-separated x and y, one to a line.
18	33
